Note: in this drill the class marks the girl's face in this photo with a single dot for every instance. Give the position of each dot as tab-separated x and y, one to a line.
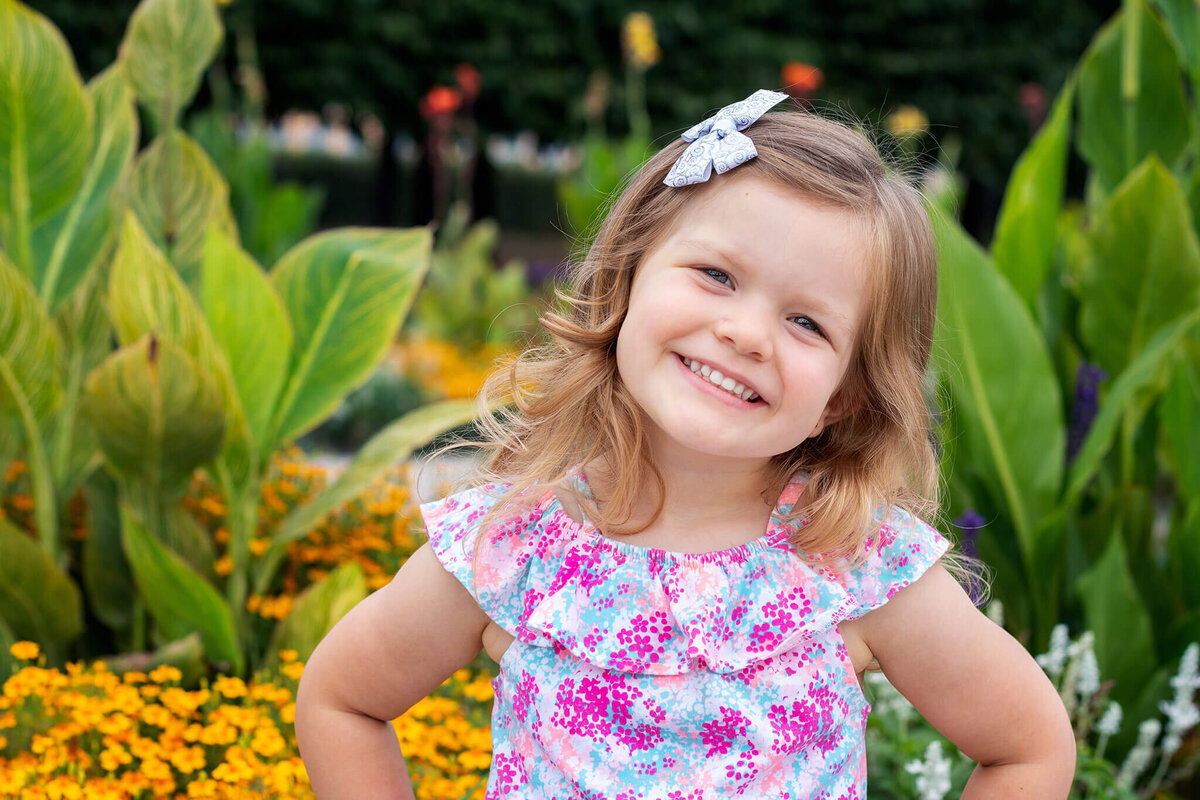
742	322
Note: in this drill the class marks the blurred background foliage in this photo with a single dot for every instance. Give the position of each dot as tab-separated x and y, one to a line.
963	62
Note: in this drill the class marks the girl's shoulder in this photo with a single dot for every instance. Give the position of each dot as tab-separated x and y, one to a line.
902	550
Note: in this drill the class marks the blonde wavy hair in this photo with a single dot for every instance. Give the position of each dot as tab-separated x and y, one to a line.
564	404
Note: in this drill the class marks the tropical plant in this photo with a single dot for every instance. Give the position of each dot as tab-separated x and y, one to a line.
1092	505
219	364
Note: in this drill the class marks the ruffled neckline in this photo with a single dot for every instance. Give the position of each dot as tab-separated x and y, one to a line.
776	536
553	581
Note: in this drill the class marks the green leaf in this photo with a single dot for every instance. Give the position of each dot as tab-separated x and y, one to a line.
45	126
1158	111
29	351
30	391
179	600
1145	371
177	194
167	47
347	293
250	326
70	243
156	413
1143	268
316	610
37	599
147	296
1114	612
1180	419
186	655
1002	383
1025	243
106	576
86	334
1182	23
394	443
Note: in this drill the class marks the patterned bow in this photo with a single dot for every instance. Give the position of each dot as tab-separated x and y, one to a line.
715	142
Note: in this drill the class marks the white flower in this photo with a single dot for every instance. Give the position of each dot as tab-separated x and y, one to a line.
933	774
1141	754
1110	722
1182	713
1089	675
1055	658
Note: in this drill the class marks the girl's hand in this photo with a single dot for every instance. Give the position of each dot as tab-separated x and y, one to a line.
391	650
977	685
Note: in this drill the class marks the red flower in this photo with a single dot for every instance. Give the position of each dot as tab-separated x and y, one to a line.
441	101
469	82
800	79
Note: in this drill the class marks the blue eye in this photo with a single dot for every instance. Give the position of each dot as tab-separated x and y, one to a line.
718	275
808	324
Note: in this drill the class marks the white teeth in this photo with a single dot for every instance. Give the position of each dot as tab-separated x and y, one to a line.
717	379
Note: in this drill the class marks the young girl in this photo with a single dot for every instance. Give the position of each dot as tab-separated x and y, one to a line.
700	521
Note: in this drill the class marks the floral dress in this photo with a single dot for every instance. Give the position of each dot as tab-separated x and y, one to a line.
648	674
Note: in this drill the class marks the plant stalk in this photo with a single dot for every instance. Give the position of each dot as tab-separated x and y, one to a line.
1130	77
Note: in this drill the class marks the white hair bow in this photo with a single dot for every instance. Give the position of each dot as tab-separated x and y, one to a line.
716	142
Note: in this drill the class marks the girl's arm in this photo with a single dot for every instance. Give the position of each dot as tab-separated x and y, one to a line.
388	652
978	686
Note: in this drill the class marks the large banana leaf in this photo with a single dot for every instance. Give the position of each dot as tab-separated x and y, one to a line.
394	443
147	296
156	413
30	390
250	326
45	127
346	293
1002	383
179	600
68	244
167	47
1024	245
1141	375
1113	610
37	599
1115	134
86	334
1183	25
316	610
1143	269
1180	419
106	576
177	193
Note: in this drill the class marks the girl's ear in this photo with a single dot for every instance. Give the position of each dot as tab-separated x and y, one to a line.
845	401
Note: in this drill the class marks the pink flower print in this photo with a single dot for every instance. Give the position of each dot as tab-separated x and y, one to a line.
508	773
525	696
763	638
720	735
583	711
643	737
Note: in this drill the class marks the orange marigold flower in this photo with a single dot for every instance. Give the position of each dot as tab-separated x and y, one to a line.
25	651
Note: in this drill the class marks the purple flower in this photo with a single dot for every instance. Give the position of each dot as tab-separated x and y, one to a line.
1085	406
970	523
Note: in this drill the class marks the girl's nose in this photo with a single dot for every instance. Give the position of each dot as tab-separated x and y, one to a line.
746	334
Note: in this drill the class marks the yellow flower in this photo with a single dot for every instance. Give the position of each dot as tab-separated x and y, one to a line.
288	656
25	651
907	121
641	45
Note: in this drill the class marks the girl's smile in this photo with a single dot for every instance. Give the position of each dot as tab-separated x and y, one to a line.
742	322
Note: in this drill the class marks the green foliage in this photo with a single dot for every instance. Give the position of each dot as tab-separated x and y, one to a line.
219	364
272	217
588	191
468	298
1099	525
